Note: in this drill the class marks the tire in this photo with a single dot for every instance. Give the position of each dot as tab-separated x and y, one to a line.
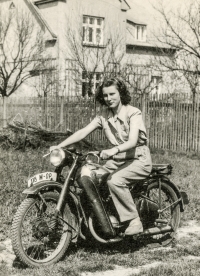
32	242
171	214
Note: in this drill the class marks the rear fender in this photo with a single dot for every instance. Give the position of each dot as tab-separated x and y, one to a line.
173	186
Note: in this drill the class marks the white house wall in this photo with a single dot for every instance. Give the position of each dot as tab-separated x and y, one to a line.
62	15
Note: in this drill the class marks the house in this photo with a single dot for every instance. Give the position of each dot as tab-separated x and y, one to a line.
86	39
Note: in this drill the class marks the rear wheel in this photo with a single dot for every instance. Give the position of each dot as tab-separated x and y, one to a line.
169	207
38	238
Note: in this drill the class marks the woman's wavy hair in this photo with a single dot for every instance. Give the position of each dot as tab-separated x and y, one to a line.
120	86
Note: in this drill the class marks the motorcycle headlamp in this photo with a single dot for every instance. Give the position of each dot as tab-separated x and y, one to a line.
56	157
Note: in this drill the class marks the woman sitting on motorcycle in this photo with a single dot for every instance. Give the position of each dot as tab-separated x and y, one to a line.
124	128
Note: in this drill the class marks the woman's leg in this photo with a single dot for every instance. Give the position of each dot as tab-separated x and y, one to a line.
118	183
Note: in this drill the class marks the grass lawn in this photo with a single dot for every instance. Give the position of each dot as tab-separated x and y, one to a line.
179	259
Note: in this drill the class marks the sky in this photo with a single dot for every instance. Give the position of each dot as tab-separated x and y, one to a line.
148	4
144	10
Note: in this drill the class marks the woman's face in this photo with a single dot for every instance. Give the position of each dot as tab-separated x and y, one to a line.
111	96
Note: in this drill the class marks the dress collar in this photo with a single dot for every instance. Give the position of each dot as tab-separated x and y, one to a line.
121	115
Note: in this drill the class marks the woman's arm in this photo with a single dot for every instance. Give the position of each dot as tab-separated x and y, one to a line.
131	143
77	136
132	140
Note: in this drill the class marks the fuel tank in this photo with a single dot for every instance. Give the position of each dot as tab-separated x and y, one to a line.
88	181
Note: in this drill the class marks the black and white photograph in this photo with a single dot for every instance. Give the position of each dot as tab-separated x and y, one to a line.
99	137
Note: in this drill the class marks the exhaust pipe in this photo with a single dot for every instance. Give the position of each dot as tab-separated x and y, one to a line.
147	232
99	239
157	230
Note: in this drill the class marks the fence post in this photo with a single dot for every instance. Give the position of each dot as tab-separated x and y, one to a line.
61	111
143	105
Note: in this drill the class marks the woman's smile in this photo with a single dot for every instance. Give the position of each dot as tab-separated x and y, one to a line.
112	98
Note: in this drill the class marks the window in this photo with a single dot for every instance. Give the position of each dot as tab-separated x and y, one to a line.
140	32
156	84
93	30
90	82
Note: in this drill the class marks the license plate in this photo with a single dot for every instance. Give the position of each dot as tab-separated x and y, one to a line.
50	176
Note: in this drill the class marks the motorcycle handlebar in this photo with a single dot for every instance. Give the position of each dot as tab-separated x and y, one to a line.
73	150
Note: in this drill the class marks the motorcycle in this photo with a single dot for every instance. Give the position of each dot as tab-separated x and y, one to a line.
74	203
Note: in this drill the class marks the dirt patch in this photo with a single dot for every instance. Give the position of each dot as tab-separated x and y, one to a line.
191	232
122	271
6	253
192	229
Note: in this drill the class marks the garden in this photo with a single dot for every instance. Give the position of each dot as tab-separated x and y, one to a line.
180	258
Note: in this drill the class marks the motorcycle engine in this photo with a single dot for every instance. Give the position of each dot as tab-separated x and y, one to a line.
148	212
114	221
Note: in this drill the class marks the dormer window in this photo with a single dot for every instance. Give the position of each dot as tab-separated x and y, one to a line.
136	32
140	32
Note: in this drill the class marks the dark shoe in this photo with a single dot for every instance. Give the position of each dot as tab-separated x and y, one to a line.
135	227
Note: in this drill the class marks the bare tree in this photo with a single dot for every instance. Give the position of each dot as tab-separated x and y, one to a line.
45	83
141	81
21	48
180	32
99	53
110	59
95	57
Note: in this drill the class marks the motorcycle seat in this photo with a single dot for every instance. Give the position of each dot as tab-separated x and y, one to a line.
161	169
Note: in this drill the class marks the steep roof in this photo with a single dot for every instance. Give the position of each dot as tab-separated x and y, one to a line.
127	3
124	5
137	13
40	18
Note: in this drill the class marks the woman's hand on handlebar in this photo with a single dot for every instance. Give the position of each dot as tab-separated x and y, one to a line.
106	154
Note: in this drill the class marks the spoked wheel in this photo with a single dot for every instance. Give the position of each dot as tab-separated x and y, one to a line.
38	238
169	207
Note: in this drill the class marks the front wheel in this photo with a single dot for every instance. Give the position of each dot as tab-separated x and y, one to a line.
168	203
38	238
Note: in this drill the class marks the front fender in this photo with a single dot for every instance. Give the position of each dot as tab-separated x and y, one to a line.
51	185
71	200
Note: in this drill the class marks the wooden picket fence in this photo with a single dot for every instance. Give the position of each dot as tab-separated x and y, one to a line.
172	121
